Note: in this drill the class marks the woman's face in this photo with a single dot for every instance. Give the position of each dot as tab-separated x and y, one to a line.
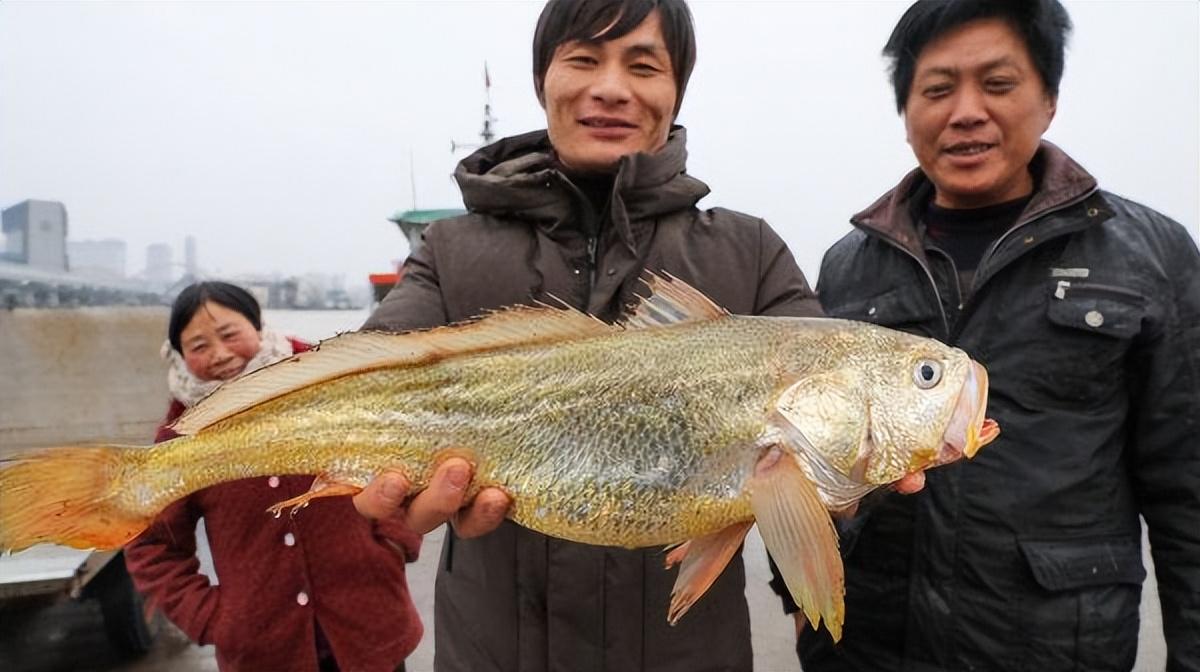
218	342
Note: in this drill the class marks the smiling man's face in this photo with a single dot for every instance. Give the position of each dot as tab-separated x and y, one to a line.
605	100
976	113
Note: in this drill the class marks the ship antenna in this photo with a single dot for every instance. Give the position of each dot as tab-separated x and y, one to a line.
488	132
412	179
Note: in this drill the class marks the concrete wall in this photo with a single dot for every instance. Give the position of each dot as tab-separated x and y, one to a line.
81	375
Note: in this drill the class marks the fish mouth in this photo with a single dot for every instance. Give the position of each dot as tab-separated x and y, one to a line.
969	428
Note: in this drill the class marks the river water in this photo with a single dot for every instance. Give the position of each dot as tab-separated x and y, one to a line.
314	325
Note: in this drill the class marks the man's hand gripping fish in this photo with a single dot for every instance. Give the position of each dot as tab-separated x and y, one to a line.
684	425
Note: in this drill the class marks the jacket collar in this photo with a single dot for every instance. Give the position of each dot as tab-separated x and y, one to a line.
519	177
1062	182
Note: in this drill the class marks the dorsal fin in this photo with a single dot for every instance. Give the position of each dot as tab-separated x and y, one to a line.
367	350
671	301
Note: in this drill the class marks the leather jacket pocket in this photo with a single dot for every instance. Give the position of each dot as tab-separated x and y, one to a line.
1085	614
1081	358
909	308
1105	310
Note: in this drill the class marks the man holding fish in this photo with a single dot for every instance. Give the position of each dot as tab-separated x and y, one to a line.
1085	307
576	214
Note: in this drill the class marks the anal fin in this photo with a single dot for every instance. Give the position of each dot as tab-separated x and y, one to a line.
324	485
798	531
676	553
703	561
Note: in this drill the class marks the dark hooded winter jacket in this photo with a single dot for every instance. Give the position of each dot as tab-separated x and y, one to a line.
1087	316
515	600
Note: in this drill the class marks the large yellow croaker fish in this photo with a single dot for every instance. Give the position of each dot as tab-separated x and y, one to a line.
686	424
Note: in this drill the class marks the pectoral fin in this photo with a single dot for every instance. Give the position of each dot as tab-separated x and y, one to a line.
703	561
799	533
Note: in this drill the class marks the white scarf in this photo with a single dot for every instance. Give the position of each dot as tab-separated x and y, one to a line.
189	389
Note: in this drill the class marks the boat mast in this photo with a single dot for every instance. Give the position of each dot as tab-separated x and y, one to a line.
488	133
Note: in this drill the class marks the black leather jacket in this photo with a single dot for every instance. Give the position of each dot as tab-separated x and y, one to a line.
1087	317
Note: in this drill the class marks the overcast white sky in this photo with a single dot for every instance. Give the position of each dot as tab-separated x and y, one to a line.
280	134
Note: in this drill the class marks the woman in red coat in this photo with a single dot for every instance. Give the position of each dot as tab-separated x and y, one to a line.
322	590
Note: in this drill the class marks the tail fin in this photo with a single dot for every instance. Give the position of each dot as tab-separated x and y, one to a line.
65	496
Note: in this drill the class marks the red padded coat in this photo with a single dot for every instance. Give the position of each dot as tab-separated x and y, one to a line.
280	577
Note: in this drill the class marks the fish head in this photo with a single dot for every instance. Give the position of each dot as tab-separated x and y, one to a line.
886	404
928	404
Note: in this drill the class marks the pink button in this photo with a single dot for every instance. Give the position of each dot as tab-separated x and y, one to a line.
302	598
273	481
289	539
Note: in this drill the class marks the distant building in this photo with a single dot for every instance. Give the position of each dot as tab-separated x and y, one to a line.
97	258
35	234
271	292
260	290
190	267
159	264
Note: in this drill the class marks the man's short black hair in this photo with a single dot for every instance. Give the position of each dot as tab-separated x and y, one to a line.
563	21
191	299
1043	25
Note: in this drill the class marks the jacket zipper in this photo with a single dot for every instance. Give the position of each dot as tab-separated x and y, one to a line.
954	272
591	249
929	275
986	255
593	225
1092	288
1016	227
1021	224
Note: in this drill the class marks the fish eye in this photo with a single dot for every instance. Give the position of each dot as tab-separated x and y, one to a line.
927	374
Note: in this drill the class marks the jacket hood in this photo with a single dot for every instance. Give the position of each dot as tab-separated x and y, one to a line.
1062	181
520	177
